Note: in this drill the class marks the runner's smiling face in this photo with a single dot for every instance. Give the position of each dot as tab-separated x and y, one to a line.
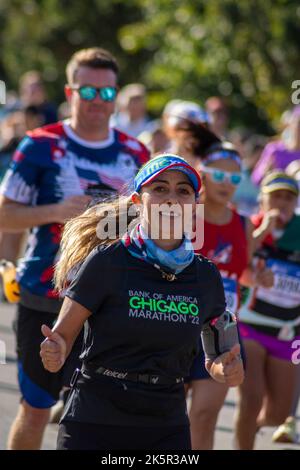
166	204
219	193
283	200
95	113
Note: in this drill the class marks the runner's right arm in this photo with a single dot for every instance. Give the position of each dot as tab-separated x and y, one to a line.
15	216
25	182
59	341
83	298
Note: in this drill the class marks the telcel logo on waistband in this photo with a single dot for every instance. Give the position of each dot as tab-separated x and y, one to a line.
115	374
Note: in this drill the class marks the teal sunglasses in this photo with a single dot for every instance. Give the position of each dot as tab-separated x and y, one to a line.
89	93
220	176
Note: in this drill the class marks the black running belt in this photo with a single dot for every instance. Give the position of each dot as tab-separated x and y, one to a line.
133	377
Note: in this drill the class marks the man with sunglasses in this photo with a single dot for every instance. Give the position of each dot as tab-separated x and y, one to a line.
55	173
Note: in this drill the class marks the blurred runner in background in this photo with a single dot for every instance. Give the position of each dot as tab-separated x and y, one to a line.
228	243
131	116
270	318
280	153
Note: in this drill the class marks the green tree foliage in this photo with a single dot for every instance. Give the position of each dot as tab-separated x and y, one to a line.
248	50
245	50
43	34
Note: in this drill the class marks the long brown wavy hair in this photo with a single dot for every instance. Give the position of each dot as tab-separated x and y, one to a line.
80	235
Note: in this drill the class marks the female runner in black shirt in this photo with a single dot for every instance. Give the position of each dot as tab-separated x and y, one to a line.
144	298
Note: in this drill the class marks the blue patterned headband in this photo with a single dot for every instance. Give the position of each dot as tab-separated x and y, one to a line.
222	154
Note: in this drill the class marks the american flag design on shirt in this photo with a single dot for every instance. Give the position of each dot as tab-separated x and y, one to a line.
52	164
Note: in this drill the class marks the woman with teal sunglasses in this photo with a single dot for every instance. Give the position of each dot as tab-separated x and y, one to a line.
221	176
227	242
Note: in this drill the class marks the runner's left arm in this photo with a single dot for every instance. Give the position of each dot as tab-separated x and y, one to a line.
220	339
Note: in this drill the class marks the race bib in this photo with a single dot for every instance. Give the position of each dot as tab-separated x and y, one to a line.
286	290
231	293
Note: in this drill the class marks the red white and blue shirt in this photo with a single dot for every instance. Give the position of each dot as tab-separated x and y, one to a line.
226	246
51	164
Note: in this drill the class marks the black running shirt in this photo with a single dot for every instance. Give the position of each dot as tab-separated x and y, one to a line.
140	323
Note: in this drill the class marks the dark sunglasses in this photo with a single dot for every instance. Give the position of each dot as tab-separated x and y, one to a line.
89	93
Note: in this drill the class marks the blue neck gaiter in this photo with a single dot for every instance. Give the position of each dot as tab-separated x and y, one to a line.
146	249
